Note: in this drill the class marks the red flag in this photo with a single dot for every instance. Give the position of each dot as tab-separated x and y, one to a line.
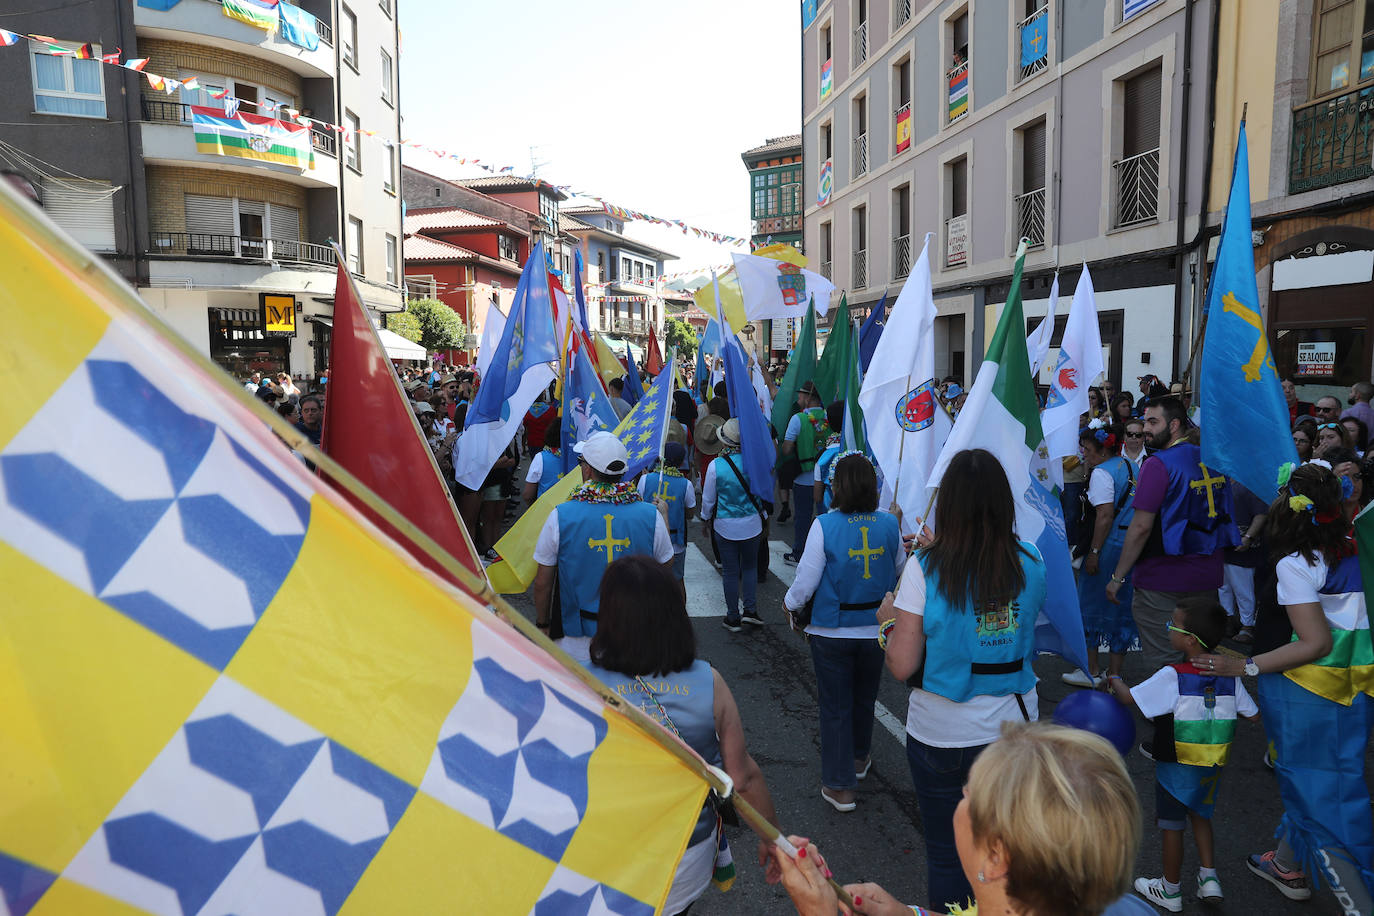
653	357
370	429
112	58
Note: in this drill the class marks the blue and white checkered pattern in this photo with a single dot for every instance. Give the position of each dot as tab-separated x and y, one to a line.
151	508
571	894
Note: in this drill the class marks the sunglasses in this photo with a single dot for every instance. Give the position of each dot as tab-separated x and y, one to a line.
1170	628
1321	426
1135	435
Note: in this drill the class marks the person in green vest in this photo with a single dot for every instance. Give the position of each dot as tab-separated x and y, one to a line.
805	438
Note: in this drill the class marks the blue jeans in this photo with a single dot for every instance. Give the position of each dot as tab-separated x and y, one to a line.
739	561
939	774
803	505
680	565
847	675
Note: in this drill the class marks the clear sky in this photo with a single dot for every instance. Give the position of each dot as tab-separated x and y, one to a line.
645	103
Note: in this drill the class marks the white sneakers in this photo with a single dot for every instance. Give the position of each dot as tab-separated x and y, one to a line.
1153	890
1076	678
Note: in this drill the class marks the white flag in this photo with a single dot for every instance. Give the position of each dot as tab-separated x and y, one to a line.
1080	363
905	422
1038	343
491	338
777	289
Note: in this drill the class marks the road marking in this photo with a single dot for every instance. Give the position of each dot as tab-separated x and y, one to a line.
705	598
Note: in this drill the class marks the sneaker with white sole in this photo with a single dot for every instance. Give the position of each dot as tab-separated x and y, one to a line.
752	618
1292	884
1209	888
1152	889
1076	678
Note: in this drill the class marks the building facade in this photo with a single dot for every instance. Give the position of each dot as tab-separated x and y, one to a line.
775	191
1091	115
233	252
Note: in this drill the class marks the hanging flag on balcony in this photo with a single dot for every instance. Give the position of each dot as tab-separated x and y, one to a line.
958	91
1131	8
1035	43
827	77
262	14
298	27
808	13
904	128
826	183
251	137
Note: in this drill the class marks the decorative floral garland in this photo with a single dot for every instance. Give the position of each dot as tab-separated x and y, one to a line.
833	440
830	478
552	451
596	491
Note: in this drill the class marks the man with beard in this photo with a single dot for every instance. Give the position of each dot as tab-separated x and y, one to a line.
1175	545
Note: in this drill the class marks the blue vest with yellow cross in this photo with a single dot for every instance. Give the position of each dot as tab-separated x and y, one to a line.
861	550
674	493
591	536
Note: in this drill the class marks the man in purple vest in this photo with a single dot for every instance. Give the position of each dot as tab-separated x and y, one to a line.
1175	546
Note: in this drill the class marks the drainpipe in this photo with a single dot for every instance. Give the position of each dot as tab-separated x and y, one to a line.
130	204
1184	123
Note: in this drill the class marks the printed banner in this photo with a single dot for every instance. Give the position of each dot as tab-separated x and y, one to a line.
252	137
956	241
827	77
260	14
958	92
826	183
904	129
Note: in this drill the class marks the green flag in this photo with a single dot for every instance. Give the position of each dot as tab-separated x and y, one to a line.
837	373
800	370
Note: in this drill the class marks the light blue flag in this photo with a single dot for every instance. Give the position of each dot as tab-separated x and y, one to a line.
1035	43
634	389
1245	432
643	428
707	351
298	26
757	453
579	293
586	407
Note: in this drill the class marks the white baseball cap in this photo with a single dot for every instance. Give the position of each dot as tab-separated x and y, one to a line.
604	452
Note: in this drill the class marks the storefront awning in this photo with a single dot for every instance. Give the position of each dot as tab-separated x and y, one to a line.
397	347
245	315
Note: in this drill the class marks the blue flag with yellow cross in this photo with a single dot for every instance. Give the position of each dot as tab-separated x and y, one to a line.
1245	432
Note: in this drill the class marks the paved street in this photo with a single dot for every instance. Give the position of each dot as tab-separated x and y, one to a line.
769	670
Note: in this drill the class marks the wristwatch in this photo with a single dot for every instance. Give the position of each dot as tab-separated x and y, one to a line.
1095	551
1251	669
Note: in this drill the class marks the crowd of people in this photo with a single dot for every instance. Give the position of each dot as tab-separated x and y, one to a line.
1019	816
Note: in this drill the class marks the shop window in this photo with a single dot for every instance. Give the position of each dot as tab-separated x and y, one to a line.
1331	357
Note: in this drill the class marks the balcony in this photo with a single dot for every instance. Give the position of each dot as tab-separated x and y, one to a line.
202	22
958	91
956	241
860	45
901	128
901	256
169	140
635	327
827	269
860	268
1332	142
860	155
1033	40
1030	217
1136	186
240	248
901	14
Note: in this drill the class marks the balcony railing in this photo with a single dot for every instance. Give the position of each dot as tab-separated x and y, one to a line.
239	248
325	31
860	43
1033	30
860	268
1137	188
1332	142
901	14
1030	216
826	269
901	256
163	111
860	155
635	326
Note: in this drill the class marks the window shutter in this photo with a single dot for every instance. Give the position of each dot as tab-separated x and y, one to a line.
85	209
1140	116
210	215
286	223
252	208
1033	157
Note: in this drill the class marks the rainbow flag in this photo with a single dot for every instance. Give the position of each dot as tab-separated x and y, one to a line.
262	14
958	92
226	691
249	136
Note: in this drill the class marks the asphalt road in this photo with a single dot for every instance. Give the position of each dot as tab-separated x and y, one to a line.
769	671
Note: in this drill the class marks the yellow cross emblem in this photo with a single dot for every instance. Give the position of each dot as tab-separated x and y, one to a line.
1207	483
1261	358
610	543
1035	41
867	552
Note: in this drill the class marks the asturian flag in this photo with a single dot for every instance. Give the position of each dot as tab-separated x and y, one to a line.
905	421
1038	343
524	364
757	453
779	289
586	406
1079	365
1001	415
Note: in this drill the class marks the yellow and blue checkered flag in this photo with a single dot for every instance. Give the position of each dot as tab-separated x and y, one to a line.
224	691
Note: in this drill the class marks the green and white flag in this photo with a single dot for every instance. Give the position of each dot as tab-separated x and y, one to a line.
837	374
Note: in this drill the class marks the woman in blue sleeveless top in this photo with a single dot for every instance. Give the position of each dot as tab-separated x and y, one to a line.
1111	492
964	624
852	559
645	650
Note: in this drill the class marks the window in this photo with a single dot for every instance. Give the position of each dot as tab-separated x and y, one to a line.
421	286
860	31
386	78
389	182
1137	171
349	31
1341	30
956	209
625	273
601	266
957	77
760	203
385	5
63	85
825	44
827	141
901	232
860	119
507	248
958	187
355	245
827	247
85	209
391	266
860	234
1029	204
354	139
901	114
959	35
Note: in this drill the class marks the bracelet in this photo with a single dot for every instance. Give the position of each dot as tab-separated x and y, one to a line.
1121	581
1114	677
884	629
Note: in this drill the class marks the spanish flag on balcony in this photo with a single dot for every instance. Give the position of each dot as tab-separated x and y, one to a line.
249	136
262	14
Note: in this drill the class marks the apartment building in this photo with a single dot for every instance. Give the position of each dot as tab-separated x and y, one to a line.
231	250
775	191
1077	124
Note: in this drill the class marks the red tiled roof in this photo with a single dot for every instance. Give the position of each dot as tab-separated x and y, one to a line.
423	248
572	224
440	218
511	183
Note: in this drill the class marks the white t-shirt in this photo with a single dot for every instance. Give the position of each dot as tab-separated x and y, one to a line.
1158	695
546	547
734	529
1101	488
805	478
536	471
689	501
939	721
1300	583
810	569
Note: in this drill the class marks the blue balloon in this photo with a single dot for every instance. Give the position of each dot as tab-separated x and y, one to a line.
1101	714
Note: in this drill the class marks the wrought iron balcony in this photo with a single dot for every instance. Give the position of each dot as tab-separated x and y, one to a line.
901	14
860	268
1332	142
1137	188
163	111
860	155
1030	216
901	256
861	43
239	248
826	270
1036	20
636	327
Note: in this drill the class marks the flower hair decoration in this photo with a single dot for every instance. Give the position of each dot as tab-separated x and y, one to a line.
1099	433
830	477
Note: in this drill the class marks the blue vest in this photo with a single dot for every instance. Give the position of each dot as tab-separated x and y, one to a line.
675	493
551	471
1122	482
732	500
590	536
987	654
1188	523
688	696
823	473
861	551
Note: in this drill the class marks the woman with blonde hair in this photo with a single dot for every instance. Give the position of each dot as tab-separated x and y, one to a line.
1049	825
